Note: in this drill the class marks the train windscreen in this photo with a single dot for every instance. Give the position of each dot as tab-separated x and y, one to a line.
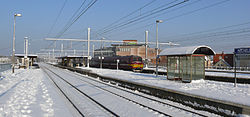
137	59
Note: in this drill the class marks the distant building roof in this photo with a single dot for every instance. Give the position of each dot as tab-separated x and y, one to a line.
127	44
29	55
71	56
189	50
222	62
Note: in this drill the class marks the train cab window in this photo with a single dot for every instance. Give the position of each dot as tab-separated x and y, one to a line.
134	59
139	59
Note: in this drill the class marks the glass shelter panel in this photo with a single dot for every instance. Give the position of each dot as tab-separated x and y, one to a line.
198	67
172	68
185	68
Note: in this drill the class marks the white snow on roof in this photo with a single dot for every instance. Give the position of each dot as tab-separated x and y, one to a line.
30	55
182	50
71	56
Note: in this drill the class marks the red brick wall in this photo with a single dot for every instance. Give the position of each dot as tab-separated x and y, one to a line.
227	57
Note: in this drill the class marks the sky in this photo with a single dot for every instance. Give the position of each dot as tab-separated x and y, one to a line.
221	24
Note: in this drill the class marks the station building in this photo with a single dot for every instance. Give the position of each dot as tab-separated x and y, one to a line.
129	47
72	61
24	61
223	60
4	59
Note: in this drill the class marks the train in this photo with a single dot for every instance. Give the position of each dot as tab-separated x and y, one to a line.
132	62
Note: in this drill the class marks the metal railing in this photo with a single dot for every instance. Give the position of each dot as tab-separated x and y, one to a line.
228	68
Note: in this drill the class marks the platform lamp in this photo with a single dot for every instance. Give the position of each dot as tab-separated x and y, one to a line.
13	51
157	46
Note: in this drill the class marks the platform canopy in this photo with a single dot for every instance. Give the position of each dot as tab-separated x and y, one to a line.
23	55
188	50
69	56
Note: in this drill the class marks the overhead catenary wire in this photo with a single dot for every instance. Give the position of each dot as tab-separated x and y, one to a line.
216	35
141	15
213	29
151	24
82	12
132	20
75	14
74	18
193	11
53	25
133	12
60	12
180	15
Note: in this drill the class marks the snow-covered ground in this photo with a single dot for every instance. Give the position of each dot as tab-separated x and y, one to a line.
212	89
29	93
119	105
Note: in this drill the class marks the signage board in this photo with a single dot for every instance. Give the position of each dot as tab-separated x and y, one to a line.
242	50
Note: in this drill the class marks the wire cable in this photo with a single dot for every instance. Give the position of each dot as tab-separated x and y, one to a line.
60	12
138	19
83	12
74	15
183	14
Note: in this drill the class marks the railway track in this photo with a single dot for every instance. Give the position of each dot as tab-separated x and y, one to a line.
104	86
139	95
70	100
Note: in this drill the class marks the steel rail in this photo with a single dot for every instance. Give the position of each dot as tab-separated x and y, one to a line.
105	108
164	103
50	77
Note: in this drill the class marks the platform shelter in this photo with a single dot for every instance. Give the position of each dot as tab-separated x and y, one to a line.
186	63
72	61
26	61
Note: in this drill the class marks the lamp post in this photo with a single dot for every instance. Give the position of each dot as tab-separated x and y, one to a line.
117	64
13	51
101	53
88	46
157	47
26	47
146	49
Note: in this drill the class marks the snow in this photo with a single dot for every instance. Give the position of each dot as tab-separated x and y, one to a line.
211	89
188	50
160	69
28	93
121	106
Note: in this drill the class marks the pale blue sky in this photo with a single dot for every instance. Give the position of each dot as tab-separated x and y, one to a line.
39	16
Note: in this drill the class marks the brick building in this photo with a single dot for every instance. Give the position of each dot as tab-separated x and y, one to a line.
224	59
129	47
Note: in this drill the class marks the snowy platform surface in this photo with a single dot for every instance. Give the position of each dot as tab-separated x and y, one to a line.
29	93
211	89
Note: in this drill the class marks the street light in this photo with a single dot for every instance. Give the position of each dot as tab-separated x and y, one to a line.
146	49
13	51
101	53
157	47
26	47
88	46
